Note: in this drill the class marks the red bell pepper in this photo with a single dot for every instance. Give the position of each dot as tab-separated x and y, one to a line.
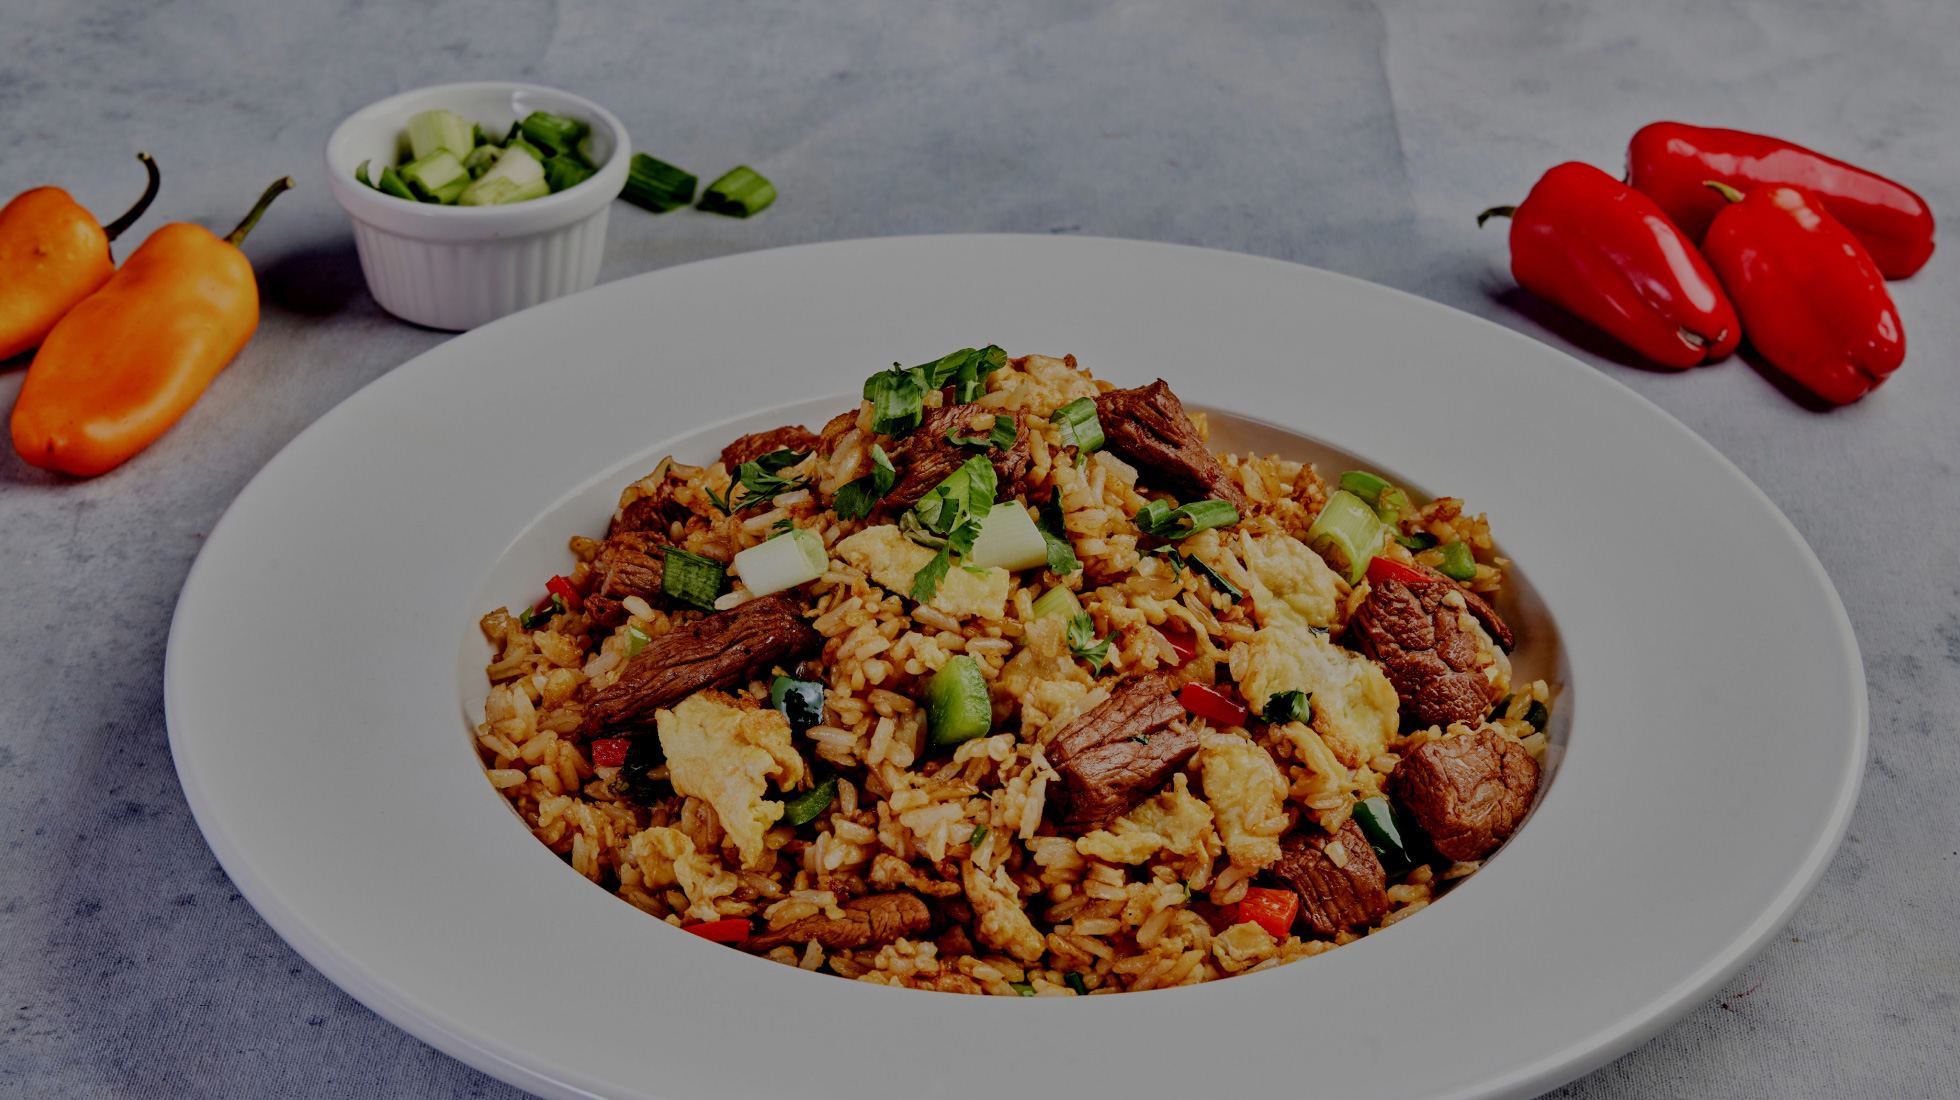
1669	161
1812	299
1598	249
1384	569
1272	910
610	752
720	931
1213	703
562	586
1182	642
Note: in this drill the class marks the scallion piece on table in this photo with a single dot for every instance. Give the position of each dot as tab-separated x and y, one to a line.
692	579
657	185
1078	424
440	129
1009	540
1458	563
1057	601
792	558
564	172
556	133
1347	533
740	192
809	805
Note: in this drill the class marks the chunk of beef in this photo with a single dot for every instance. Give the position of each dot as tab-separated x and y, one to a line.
925	458
1114	756
1468	792
792	437
1147	426
724	650
624	566
1348	893
1412	629
867	922
654	513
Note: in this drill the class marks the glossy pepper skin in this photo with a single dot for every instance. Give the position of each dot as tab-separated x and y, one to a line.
1602	251
1669	161
1812	299
126	363
53	255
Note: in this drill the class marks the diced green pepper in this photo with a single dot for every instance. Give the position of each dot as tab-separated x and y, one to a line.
958	706
1393	847
809	805
1458	563
801	701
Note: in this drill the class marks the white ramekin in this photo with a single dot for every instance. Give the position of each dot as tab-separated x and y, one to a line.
456	267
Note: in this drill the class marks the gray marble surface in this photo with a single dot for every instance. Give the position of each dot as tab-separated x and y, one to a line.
1352	136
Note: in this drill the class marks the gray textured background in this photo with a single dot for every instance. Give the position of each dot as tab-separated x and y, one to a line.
1353	136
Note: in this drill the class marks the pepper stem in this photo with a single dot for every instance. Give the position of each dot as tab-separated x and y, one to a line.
237	236
1727	192
1495	212
114	229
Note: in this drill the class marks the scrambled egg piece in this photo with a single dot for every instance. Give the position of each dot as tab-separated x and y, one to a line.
724	753
1246	792
997	915
1323	784
1243	946
1174	821
1294	576
666	857
885	555
1051	684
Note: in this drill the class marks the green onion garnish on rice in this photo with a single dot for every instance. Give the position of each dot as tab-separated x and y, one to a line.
657	185
1074	981
1379	823
1025	989
809	805
636	640
796	557
740	192
897	399
692	579
1421	540
801	701
1057	601
1200	566
979	834
1078	424
1347	533
1165	522
1009	540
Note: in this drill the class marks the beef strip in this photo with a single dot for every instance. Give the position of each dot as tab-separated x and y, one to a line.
724	650
1333	898
1468	792
654	513
870	921
792	437
925	458
624	566
1147	426
1114	756
1412	629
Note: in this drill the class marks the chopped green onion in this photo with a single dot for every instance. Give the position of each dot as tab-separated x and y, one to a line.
1421	540
1537	714
1061	552
1057	601
533	151
1458	563
1502	705
1083	643
1074	981
1393	844
636	640
440	129
1364	485
979	834
563	173
431	174
856	498
740	192
809	805
1165	522
801	701
1023	988
391	183
516	176
361	176
1009	540
1079	426
1391	505
966	493
535	617
643	753
481	160
657	185
897	399
693	579
1348	530
477	137
958	707
1200	566
554	132
1288	706
796	558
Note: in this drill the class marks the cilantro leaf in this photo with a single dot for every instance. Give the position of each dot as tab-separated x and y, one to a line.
1082	641
762	478
1288	706
1061	552
856	498
925	583
898	399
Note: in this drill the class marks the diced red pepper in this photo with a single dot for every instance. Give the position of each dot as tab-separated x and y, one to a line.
1385	569
1213	703
720	931
562	586
1182	641
609	753
1272	910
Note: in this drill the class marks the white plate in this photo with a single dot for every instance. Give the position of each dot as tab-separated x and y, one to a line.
1716	695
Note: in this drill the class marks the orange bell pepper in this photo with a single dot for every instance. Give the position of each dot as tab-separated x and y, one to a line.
53	255
133	357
